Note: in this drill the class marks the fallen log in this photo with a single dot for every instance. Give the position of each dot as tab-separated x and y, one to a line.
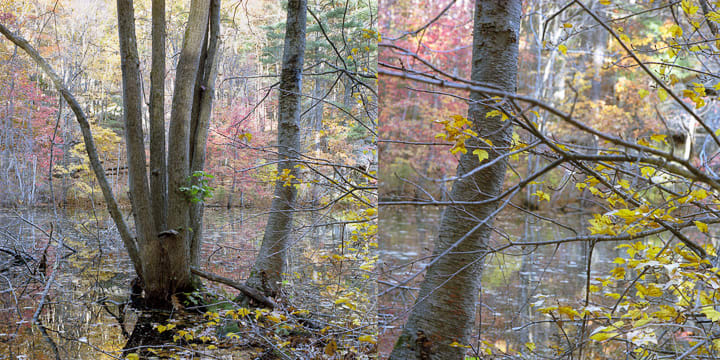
247	290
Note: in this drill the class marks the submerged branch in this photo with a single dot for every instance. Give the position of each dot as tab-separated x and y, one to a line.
247	290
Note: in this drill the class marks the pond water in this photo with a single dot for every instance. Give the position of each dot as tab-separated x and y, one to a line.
84	285
511	281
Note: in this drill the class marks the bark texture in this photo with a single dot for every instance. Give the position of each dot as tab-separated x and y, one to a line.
266	274
445	309
145	231
177	244
201	122
158	166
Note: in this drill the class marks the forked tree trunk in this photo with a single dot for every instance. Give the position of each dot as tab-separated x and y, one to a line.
445	308
176	266
160	249
266	273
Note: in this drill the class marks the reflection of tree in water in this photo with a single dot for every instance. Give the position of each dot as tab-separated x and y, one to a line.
145	336
511	282
86	310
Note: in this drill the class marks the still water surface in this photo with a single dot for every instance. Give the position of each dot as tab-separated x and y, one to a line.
85	308
511	281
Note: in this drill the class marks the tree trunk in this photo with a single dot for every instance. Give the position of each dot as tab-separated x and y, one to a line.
266	274
177	246
201	123
158	166
145	231
445	309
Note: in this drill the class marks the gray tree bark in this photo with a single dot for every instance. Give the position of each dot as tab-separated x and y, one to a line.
178	244
266	273
445	309
145	230
158	166
201	123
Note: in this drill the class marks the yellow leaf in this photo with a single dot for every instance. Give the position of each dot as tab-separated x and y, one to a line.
457	344
662	94
132	356
530	346
247	136
699	194
658	137
367	338
570	312
605	2
601	336
567	25
675	31
563	49
688	8
711	313
643	93
541	195
647	171
481	154
701	226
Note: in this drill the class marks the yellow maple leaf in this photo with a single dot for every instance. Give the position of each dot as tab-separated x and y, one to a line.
481	154
711	313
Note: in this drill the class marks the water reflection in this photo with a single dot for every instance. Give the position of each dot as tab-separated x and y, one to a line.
85	310
512	280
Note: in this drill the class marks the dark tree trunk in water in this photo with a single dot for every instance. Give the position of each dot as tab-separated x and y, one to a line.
445	309
266	274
